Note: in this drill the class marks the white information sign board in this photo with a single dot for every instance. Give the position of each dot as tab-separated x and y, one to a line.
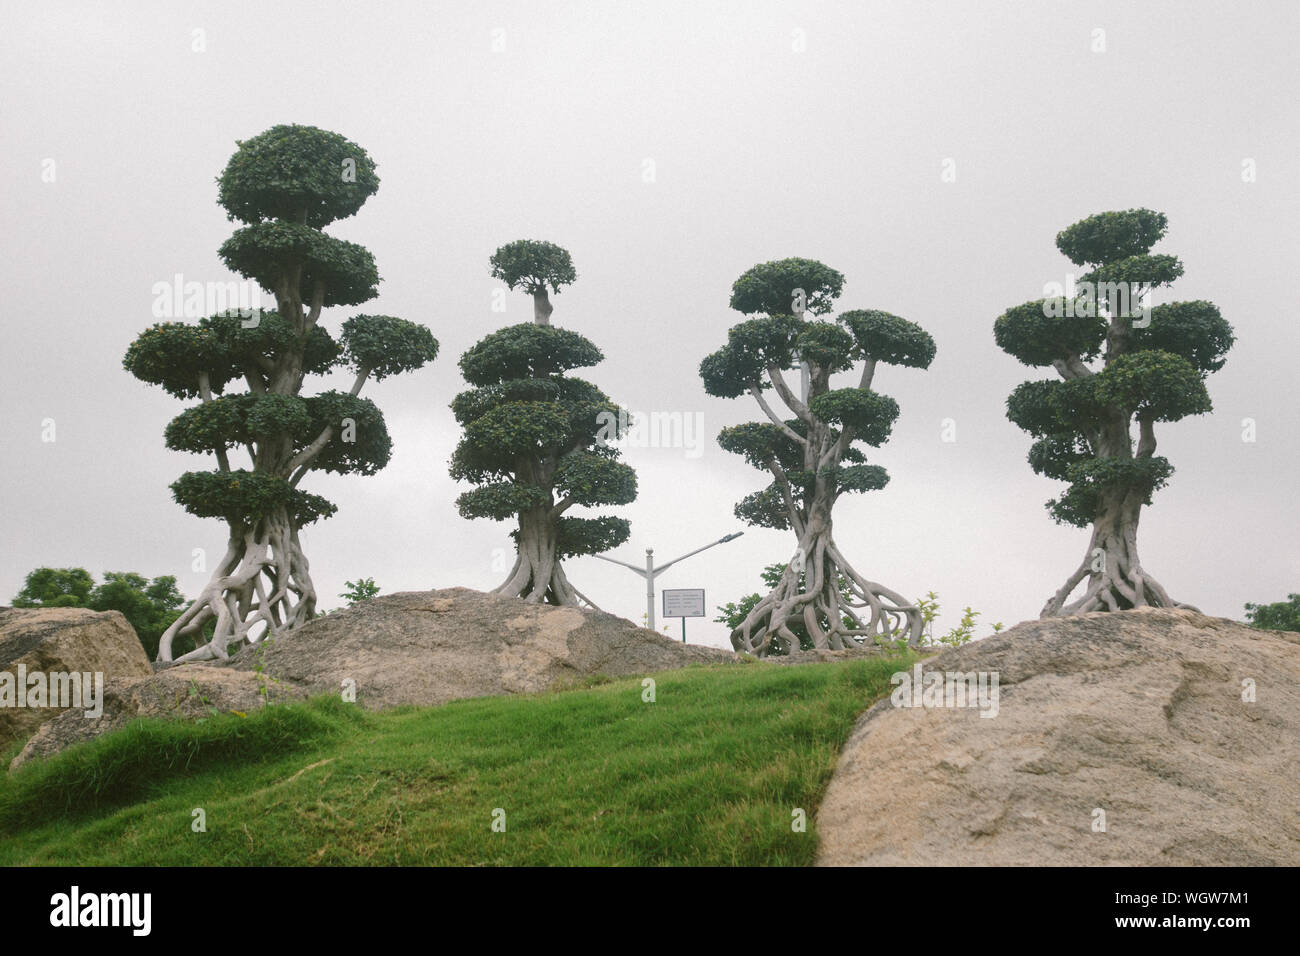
684	602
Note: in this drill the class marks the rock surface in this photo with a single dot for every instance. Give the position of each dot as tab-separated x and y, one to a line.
1139	714
192	690
429	647
416	647
63	640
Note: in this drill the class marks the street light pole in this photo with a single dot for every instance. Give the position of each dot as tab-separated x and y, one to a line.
649	587
650	572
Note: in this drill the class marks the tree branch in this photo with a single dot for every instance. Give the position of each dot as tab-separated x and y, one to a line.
787	396
205	393
305	457
1147	442
835	452
868	373
317	302
1071	367
787	493
786	430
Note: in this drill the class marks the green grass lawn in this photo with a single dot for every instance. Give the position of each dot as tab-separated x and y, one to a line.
708	774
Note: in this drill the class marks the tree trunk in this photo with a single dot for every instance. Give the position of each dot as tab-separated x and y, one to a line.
767	627
262	580
538	575
1116	578
542	307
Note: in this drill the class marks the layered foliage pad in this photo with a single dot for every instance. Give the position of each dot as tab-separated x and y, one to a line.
1152	369
533	265
536	438
298	174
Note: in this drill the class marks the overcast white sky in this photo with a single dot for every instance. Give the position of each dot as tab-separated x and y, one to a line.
774	129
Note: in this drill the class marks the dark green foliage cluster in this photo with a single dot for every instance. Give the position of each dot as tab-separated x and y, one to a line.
577	536
526	351
535	437
889	339
533	265
299	174
871	416
1092	478
149	605
227	347
1034	336
384	346
271	253
1194	331
57	587
1278	616
246	496
1111	236
776	288
1152	370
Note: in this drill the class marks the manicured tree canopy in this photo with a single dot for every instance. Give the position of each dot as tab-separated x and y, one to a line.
813	457
537	268
247	372
1116	368
537	440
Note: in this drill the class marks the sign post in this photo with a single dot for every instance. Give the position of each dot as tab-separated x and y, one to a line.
683	603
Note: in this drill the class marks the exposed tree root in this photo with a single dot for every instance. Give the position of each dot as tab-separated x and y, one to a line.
1116	580
868	612
261	588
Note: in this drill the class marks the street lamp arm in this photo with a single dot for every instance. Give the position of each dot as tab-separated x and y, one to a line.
640	571
667	564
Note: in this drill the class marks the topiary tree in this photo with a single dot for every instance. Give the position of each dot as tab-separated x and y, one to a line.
536	267
1153	365
537	441
285	185
813	458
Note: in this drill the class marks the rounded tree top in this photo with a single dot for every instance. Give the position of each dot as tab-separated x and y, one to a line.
298	173
787	287
533	265
1111	236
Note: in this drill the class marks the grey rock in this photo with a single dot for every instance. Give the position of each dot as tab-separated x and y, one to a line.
1138	714
63	640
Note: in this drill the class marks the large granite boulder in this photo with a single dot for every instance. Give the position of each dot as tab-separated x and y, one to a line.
1176	732
60	640
429	647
